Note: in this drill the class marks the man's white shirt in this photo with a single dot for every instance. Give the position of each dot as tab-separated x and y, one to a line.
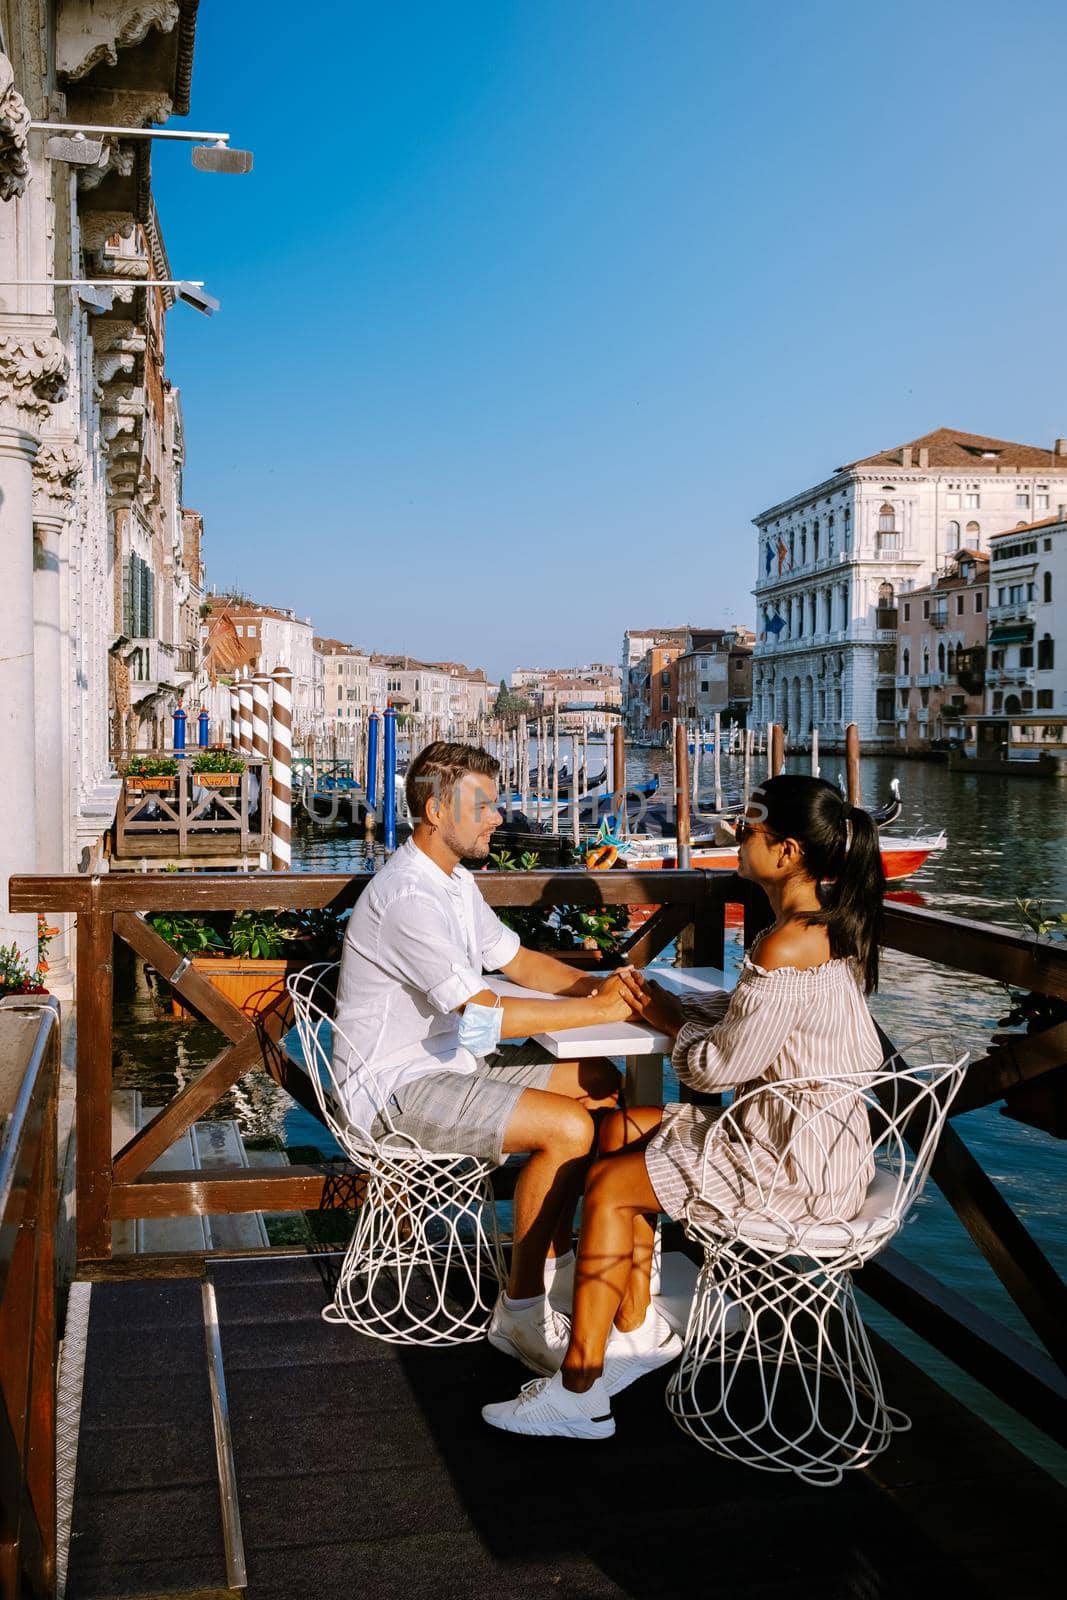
417	945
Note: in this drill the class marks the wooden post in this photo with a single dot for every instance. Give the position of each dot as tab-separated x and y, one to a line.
698	741
717	759
777	746
540	769
746	770
575	789
281	777
524	763
770	749
235	719
94	1068
852	765
814	751
618	775
681	772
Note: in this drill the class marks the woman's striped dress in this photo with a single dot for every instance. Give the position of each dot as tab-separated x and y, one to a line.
775	1027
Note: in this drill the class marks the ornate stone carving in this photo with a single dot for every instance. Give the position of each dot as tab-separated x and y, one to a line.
33	376
90	37
14	125
116	156
56	471
97	227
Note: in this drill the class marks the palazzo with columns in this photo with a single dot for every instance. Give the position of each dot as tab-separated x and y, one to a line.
90	432
834	559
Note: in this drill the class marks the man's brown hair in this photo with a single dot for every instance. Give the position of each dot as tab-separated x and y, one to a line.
438	768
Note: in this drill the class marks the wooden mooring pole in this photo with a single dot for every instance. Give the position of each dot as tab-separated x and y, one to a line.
776	746
852	765
618	775
681	773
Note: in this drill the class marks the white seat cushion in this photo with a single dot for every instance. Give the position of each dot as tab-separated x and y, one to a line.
875	1222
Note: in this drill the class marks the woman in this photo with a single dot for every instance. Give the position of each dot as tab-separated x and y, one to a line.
798	1012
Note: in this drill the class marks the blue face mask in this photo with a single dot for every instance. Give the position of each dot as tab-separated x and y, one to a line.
479	1028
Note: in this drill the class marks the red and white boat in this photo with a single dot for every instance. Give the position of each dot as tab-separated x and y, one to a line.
900	857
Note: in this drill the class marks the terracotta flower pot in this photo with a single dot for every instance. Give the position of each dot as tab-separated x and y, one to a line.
216	780
135	781
254	986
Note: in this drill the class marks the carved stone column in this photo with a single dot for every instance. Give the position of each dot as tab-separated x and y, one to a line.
55	475
33	373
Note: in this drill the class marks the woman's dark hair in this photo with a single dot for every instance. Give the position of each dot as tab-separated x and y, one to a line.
840	847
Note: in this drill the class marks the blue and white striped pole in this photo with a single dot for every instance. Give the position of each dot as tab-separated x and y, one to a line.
389	780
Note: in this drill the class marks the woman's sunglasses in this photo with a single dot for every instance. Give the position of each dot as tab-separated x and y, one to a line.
743	829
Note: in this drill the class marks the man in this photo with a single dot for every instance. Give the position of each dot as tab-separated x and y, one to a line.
414	1006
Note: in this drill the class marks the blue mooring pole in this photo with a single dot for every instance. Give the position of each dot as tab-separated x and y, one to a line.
389	780
372	761
203	729
179	731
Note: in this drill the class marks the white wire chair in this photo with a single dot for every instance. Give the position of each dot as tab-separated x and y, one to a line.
424	1264
788	1381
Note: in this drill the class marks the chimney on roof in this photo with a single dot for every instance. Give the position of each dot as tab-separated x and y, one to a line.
1060	447
924	457
905	456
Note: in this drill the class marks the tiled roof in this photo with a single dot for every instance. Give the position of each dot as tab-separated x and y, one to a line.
1027	527
948	447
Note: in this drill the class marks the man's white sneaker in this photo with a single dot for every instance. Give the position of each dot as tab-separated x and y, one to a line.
546	1409
537	1336
630	1355
559	1284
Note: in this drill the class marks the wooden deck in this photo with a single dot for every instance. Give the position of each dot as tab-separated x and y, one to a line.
363	1470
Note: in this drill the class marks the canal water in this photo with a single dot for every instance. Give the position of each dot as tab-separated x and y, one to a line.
1005	841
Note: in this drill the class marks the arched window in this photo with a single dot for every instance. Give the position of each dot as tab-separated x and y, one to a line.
952	541
926	661
803	546
941	657
887	519
905	661
1047	589
885	594
974	536
815	540
830	535
1046	653
848	528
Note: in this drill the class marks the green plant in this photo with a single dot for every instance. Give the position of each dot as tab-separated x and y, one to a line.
320	925
190	936
566	927
259	934
218	761
152	767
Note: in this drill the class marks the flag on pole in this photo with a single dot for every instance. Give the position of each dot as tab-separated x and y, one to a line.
768	556
775	624
782	553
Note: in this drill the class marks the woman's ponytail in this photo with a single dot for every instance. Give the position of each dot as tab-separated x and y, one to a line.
841	852
852	901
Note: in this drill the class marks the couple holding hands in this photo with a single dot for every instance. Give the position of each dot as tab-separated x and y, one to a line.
414	1005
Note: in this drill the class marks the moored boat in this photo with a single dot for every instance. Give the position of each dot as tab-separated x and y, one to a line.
900	857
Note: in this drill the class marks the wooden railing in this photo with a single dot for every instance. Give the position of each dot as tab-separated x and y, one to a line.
691	909
29	1080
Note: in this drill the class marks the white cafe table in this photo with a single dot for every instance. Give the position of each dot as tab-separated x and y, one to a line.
641	1046
643	1049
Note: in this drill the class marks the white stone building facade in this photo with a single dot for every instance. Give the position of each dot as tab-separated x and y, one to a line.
834	560
83	432
1026	653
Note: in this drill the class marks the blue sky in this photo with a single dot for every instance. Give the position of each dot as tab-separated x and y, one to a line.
530	305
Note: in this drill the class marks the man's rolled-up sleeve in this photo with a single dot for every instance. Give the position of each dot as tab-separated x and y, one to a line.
499	943
418	946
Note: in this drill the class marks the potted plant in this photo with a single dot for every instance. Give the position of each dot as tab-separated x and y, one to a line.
152	772
216	769
246	965
15	974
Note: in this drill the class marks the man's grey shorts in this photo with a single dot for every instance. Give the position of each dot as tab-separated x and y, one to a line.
468	1112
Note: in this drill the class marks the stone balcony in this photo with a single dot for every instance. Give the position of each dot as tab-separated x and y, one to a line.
930	680
1017	611
1009	678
